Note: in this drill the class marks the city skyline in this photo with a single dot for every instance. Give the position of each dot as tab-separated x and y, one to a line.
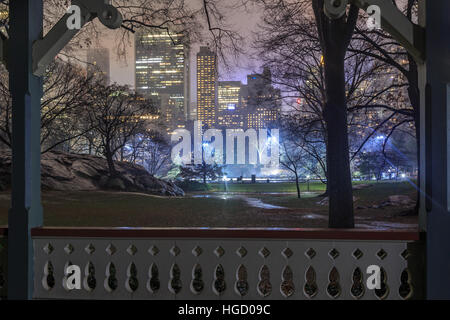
237	69
162	74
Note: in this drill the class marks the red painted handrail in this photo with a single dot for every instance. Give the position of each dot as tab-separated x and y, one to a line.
229	233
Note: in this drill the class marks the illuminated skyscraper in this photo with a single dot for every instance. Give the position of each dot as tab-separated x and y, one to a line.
261	101
207	83
162	74
98	63
229	111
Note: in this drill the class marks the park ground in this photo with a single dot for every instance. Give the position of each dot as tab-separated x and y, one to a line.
267	205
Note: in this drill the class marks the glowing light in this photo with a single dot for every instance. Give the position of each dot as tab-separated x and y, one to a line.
271	140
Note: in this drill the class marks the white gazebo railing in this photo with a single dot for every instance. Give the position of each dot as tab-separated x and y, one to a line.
226	264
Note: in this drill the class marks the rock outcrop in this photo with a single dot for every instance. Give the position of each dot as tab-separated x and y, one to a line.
74	172
399	200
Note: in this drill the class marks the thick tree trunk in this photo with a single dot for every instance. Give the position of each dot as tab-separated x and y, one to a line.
325	194
111	167
338	159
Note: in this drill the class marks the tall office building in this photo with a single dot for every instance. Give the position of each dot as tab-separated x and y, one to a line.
261	101
98	63
207	83
229	108
162	74
193	110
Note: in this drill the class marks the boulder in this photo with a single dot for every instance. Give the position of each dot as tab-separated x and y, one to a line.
401	200
73	172
396	201
116	184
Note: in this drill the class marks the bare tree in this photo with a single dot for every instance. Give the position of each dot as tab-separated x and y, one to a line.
202	171
306	138
291	159
326	82
65	95
67	89
157	154
152	150
116	116
381	46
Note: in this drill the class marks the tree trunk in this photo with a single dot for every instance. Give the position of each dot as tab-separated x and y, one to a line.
338	159
111	167
297	185
325	194
414	98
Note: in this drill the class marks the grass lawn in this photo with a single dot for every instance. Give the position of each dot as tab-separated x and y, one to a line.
216	209
247	187
365	197
265	187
